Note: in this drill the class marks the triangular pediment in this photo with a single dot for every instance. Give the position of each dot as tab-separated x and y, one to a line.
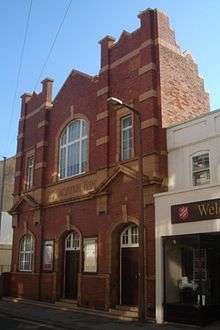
75	79
25	198
119	171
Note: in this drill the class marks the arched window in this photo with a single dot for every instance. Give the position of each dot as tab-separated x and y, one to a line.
73	149
26	253
130	237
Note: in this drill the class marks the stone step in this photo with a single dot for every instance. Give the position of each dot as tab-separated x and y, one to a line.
64	303
112	313
124	313
127	308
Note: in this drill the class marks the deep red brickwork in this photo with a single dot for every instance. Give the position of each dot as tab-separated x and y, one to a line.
144	68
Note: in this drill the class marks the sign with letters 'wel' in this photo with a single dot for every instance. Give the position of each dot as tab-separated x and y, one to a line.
197	211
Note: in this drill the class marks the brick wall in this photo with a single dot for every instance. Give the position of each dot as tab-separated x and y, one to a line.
183	95
140	68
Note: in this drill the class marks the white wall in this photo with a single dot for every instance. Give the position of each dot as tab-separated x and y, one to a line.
6	229
164	227
184	140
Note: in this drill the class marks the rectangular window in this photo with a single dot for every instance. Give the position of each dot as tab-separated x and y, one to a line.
29	172
200	169
48	255
126	137
90	255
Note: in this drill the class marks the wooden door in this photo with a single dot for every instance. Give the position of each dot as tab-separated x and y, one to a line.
71	273
129	276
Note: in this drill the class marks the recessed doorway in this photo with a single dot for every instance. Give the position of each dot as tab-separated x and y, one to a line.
129	266
71	265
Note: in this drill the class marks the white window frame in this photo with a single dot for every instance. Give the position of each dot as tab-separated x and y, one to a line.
200	153
123	129
29	172
68	144
86	242
25	254
129	234
72	242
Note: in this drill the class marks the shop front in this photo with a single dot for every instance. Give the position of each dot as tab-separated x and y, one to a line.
192	278
187	259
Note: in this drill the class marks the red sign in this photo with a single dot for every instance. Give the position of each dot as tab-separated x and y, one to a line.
197	211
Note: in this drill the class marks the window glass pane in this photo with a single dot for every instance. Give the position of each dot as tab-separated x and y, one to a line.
63	138
200	162
127	138
84	128
127	121
73	159
84	155
26	253
62	162
29	172
202	177
182	275
74	131
134	235
201	171
74	149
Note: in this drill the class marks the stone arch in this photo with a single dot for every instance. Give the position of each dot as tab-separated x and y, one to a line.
114	235
60	255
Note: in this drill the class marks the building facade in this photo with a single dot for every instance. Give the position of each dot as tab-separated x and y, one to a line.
188	224
6	219
76	210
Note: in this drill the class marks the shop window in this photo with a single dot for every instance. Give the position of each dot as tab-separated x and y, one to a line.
200	169
26	253
90	255
48	255
29	172
126	137
73	149
192	266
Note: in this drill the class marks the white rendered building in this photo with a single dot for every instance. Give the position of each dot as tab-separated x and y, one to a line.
188	225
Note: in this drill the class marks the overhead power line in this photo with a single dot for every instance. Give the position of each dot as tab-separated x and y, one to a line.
19	67
53	43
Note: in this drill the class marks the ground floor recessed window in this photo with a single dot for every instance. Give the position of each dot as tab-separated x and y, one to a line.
26	252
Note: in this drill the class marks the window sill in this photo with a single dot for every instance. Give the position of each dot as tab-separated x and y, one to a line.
71	177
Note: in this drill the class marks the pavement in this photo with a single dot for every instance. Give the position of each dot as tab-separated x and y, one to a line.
15	314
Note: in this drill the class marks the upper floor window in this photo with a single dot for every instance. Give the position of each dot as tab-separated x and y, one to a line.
26	253
200	169
73	149
126	137
29	172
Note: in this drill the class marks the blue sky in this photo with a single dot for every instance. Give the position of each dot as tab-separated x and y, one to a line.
197	29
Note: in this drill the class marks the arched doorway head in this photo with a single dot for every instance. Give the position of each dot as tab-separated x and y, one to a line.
72	241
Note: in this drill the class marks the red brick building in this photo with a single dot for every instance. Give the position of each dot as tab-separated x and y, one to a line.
76	209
